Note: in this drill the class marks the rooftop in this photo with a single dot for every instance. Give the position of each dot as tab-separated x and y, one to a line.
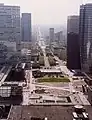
50	70
51	112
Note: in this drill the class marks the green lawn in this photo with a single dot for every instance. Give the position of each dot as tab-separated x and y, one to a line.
51	79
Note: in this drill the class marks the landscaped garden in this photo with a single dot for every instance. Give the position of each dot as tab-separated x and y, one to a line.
53	79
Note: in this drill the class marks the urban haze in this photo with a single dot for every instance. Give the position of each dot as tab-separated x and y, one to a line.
46	60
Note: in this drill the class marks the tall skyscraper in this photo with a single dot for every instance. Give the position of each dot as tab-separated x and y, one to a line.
10	24
26	27
51	35
73	51
85	34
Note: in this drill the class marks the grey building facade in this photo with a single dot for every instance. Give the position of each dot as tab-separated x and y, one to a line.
26	27
85	34
73	24
73	51
59	37
10	24
51	35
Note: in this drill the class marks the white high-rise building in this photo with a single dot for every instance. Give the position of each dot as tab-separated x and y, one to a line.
10	24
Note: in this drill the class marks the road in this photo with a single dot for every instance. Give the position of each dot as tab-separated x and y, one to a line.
80	98
47	65
60	61
42	45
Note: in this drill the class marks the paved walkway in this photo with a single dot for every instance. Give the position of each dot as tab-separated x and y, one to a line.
83	99
26	91
31	85
29	88
47	65
52	87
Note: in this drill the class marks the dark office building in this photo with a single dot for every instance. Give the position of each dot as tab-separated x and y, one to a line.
73	51
26	27
85	34
11	94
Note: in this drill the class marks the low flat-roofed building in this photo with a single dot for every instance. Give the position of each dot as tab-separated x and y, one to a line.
49	112
10	94
42	72
50	71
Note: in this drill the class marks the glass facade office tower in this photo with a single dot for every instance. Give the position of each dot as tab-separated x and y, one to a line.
73	51
85	34
10	24
26	27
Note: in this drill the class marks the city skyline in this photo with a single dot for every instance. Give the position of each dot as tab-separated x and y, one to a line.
48	12
46	61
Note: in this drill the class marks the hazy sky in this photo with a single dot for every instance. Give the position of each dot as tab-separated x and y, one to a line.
48	11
